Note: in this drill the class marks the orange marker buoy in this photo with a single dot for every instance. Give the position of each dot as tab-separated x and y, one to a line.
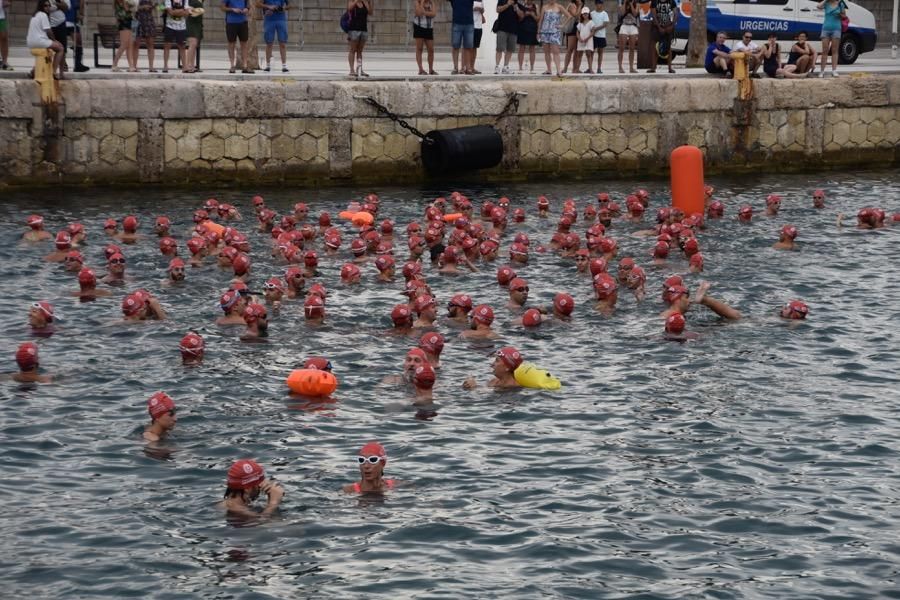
213	226
312	382
686	167
452	217
362	218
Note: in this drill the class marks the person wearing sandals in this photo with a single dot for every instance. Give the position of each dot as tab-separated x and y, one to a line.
550	33
359	32
146	29
237	28
423	33
124	11
478	17
527	36
462	36
628	33
175	31
194	35
40	35
572	17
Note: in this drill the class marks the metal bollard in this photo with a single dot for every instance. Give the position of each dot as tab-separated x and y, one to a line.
43	74
742	75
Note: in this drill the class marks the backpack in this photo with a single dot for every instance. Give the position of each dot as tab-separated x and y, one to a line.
345	21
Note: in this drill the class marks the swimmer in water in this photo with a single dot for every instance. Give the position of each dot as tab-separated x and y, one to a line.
168	247
459	307
115	274
257	322
162	416
332	242
74	261
372	460
301	212
625	267
582	258
162	226
489	250
426	310
76	231
680	301
225	259
695	265
192	349
36	232
314	309
745	214
350	274
63	245
606	291
675	329
233	305
482	317
175	271
794	310
129	233
241	267
385	265
296	282
506	361
636	280
786	238
87	281
311	264
543	206
773	204
563	305
273	289
142	306
866	218
27	360
432	343
40	317
402	319
111	228
531	318
819	199
660	252
518	254
414	358
197	248
518	294
246	480
423	381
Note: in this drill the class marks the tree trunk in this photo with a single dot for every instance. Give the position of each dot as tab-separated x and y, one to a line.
697	40
253	40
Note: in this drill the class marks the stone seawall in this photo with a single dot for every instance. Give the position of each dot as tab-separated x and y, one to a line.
190	131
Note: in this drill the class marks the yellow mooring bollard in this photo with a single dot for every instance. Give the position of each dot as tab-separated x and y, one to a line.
43	74
742	75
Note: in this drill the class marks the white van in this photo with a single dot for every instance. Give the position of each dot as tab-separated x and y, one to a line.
785	17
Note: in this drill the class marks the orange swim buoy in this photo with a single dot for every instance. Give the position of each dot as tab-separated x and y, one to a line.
347	214
213	226
686	167
312	382
363	218
452	217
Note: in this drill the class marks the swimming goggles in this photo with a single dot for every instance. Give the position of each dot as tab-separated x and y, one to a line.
369	459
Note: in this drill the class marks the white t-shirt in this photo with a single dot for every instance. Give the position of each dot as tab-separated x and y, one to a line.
584	30
477	15
37	37
2	10
751	48
57	16
175	23
599	18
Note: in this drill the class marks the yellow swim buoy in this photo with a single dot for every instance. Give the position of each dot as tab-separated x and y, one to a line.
528	375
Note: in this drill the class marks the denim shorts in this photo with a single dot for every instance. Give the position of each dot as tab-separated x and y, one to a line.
462	36
834	34
271	29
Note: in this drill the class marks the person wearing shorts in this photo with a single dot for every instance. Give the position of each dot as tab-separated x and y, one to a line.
831	32
479	21
359	10
124	16
628	33
423	33
40	36
462	36
507	31
175	31
275	25
600	19
236	28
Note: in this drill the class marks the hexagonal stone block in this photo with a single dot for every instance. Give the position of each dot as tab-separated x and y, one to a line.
223	128
282	147
212	148
841	133
111	149
394	145
540	143
305	148
580	142
125	128
236	147
858	133
875	132
373	146
559	143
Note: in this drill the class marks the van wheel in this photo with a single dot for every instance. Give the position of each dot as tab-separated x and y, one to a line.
848	51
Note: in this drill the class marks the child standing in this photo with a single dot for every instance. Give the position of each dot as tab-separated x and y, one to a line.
585	33
601	22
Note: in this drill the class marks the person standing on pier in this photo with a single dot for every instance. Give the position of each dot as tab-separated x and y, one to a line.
237	28
462	36
359	10
275	24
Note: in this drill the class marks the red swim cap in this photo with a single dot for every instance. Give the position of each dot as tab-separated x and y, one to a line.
597	266
672	293
675	323
159	404
483	314
385	262
531	318
745	212
314	307
691	247
424	377
228	300
772	199
241	264
422	303
542	202
374	449
27	356
673	280
564	303
789	231
795	309
510	357
608	245
626	264
245	474
211	204
311	259
274	283
697	261
110	224
518	284
35	221
519	215
132	304
324	219
196	245
432	342
505	275
74	256
318	362
163	221
463	301
258	201
191	344
130	224
229	252
349	271
75	228
661	250
86	277
63	240
176	263
488	247
401	316
254	312
605	286
167	244
301	207
637	277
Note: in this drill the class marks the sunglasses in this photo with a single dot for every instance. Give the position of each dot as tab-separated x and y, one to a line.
117	261
580	259
369	459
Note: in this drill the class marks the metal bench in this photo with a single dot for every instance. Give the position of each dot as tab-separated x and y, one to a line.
107	35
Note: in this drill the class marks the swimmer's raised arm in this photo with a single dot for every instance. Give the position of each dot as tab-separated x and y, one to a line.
275	493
